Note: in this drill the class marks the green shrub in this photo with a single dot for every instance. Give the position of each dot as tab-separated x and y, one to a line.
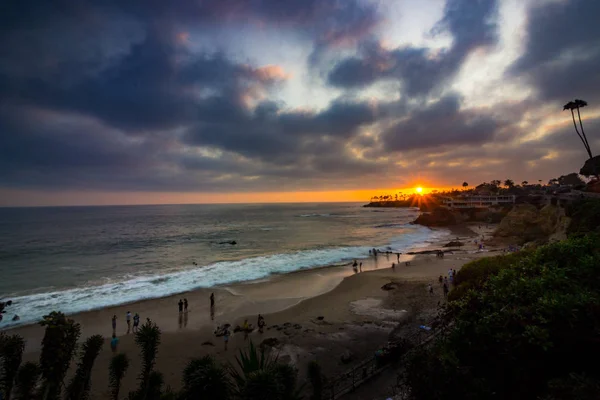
475	273
531	322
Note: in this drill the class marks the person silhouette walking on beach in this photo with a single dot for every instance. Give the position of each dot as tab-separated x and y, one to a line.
398	256
114	324
185	305
128	319
445	289
212	308
180	304
136	322
226	337
260	323
114	342
430	289
360	267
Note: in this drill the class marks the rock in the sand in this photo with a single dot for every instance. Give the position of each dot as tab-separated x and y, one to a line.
454	243
208	343
346	357
297	326
287	324
389	286
320	318
269	342
231	242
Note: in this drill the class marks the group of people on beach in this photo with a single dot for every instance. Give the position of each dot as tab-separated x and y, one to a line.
225	332
128	317
444	282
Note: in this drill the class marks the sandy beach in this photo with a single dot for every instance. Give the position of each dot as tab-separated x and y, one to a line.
358	314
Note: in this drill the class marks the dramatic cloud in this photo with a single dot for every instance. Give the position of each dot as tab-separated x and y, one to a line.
562	53
267	95
420	70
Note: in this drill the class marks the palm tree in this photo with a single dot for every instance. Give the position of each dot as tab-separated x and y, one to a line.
11	354
509	183
116	371
577	104
204	378
26	380
465	185
79	387
524	183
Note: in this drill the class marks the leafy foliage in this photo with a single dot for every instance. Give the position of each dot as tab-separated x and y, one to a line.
259	376
116	371
58	347
534	322
205	378
148	339
475	273
11	355
585	217
26	379
79	387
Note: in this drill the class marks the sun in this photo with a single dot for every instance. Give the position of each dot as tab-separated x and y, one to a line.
419	189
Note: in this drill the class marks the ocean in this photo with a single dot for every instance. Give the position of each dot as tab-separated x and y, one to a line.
76	259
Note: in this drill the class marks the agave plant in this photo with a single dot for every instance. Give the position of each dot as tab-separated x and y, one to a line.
11	354
79	387
26	381
259	376
58	347
204	378
116	371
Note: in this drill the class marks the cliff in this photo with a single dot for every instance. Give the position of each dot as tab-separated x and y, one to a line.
526	223
439	217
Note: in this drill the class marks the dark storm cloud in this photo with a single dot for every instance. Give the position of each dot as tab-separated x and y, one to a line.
471	25
562	51
442	123
281	136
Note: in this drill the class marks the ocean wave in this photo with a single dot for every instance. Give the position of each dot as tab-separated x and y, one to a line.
32	307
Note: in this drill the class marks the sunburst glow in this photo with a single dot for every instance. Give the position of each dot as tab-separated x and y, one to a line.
419	189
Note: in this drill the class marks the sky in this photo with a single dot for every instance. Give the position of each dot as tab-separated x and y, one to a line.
153	101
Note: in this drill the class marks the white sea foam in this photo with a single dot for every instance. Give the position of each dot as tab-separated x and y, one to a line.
32	307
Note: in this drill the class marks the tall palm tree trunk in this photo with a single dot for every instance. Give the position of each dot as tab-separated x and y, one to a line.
583	133
579	134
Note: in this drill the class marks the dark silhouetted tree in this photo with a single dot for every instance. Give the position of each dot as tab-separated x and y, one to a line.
58	347
26	381
11	355
509	183
576	105
116	371
148	339
204	378
79	387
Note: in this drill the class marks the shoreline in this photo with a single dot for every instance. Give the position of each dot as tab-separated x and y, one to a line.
276	293
358	316
234	284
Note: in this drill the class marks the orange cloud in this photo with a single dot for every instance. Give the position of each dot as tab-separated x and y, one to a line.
272	73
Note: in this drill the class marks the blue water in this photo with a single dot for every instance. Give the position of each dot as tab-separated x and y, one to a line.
81	258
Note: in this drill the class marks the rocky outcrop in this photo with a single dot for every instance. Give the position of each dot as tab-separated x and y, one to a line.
526	223
439	217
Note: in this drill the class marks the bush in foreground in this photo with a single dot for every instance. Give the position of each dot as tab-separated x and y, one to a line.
531	325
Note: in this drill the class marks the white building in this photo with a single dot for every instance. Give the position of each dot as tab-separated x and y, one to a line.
477	201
